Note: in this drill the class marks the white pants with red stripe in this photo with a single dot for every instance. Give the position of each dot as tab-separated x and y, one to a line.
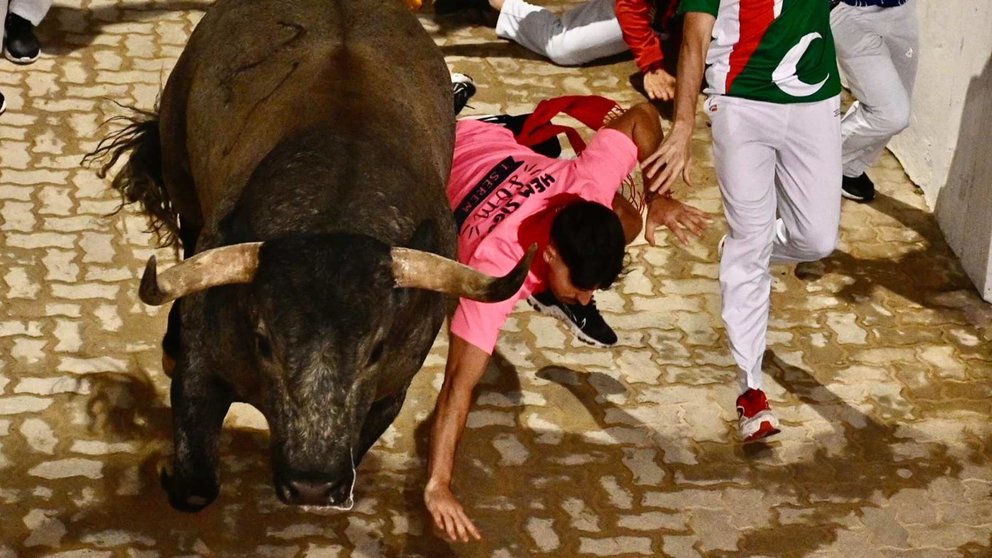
878	52
779	171
587	32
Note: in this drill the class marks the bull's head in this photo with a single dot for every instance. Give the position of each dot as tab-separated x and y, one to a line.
330	326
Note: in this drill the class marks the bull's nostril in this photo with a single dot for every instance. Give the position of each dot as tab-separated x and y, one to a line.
340	493
309	493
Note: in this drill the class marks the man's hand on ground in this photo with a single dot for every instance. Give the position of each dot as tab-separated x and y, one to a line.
677	216
659	85
449	516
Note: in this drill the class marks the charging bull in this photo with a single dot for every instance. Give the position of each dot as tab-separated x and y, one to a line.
299	157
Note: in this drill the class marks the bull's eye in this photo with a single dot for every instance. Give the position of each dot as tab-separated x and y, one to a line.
376	353
262	346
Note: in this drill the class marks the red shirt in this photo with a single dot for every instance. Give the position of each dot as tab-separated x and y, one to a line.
641	21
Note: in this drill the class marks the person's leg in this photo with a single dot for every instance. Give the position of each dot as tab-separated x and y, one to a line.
4	8
20	45
808	179
902	34
31	10
585	33
744	133
883	105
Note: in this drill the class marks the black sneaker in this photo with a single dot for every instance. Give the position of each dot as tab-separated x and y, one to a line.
445	7
585	321
515	123
463	88
20	46
3	103
859	188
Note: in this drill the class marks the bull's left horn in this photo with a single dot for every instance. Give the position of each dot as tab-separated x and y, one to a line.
219	266
424	270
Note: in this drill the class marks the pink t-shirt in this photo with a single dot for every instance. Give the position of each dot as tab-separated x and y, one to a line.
505	196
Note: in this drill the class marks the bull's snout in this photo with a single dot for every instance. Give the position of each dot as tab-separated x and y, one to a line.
316	491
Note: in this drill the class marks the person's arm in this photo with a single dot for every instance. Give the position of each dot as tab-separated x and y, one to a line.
466	364
674	156
677	216
659	85
634	17
642	125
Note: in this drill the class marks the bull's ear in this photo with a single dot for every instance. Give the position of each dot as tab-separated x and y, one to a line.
425	238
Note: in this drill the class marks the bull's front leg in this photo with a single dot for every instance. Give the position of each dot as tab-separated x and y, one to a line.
199	405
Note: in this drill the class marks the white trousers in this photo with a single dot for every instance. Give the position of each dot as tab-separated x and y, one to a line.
779	171
31	10
582	34
878	52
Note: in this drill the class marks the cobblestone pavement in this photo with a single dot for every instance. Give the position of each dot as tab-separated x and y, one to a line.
881	369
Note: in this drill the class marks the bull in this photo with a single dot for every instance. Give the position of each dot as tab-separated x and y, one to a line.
299	158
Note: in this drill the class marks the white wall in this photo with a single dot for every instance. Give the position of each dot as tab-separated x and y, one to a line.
947	149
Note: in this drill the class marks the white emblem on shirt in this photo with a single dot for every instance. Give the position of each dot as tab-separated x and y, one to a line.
785	76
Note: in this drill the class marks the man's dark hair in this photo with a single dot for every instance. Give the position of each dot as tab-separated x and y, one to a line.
590	240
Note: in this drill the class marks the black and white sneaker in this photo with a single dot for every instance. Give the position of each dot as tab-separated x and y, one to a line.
463	88
3	103
859	188
20	46
585	321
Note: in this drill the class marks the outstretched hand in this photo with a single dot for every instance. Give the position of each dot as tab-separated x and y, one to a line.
677	216
449	516
672	158
659	85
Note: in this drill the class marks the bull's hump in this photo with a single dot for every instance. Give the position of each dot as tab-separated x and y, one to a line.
262	72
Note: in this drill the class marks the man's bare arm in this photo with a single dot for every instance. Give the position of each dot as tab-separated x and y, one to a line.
466	364
674	156
642	124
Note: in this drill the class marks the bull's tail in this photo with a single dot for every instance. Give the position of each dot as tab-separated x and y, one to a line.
140	179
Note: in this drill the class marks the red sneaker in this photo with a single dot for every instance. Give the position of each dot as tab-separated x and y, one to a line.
756	418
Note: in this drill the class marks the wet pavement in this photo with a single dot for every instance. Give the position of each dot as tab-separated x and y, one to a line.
880	367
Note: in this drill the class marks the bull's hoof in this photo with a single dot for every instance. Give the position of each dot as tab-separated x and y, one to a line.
189	497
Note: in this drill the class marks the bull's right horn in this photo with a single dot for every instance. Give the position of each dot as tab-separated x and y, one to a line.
424	270
219	266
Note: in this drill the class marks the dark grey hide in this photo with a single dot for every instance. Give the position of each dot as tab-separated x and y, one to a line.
324	129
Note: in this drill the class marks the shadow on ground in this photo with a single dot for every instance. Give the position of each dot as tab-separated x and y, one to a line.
69	28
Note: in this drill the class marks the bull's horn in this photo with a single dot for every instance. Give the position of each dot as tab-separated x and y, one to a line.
219	266
424	270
